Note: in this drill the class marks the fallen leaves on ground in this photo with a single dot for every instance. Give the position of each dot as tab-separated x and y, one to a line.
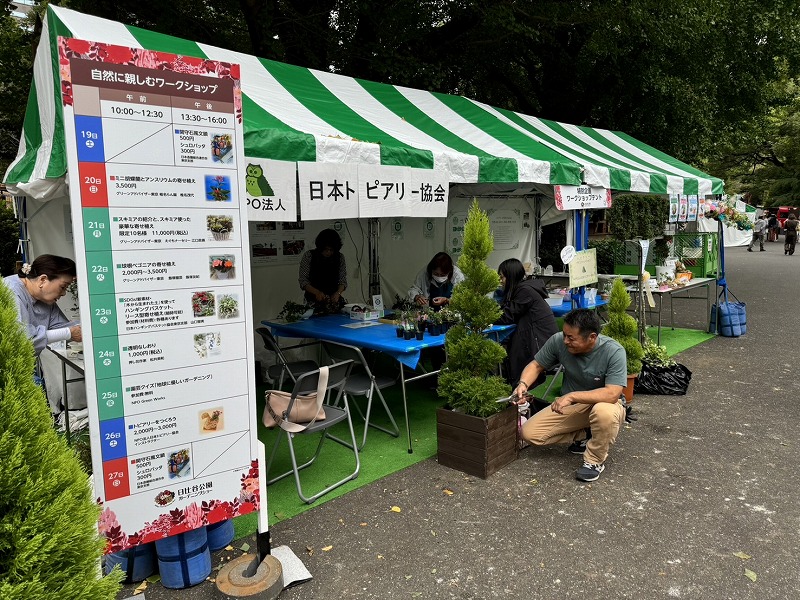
750	575
395	509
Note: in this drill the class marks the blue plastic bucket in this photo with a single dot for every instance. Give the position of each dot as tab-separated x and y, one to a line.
184	559
138	563
220	534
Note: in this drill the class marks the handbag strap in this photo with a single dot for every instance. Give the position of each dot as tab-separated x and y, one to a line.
322	386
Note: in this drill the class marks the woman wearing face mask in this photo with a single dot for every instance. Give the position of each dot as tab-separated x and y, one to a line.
323	272
524	305
434	284
36	288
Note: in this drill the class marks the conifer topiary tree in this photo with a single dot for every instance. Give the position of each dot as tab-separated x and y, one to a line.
467	382
49	545
622	327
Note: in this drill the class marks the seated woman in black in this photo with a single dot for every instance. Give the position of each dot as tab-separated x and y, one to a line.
323	273
524	305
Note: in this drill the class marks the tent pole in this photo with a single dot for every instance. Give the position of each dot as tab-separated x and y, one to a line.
374	266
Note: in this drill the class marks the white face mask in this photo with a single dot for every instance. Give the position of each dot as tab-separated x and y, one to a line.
441	279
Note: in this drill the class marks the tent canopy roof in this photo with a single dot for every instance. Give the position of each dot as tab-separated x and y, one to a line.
296	114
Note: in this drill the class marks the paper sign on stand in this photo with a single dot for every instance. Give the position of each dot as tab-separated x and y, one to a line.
583	268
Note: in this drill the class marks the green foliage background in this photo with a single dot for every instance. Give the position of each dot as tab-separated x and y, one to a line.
49	544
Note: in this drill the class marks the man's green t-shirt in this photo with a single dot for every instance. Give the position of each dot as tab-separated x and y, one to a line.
605	364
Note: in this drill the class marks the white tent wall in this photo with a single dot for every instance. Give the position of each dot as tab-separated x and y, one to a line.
400	257
733	237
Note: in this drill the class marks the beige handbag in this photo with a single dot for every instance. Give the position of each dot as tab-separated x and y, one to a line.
306	409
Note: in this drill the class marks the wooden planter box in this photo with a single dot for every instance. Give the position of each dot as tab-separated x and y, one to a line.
476	445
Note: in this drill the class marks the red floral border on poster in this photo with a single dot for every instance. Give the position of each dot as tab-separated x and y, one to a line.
182	520
69	48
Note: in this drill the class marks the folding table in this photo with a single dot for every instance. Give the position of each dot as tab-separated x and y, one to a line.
373	335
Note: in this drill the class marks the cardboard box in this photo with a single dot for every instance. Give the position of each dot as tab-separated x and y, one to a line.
369	314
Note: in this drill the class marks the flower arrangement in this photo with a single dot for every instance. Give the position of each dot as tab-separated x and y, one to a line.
727	213
221	265
220	226
227	306
203	304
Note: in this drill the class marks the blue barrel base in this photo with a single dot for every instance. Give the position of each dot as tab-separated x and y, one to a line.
138	563
220	534
184	559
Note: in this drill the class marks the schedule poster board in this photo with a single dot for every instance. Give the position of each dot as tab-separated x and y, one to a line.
155	156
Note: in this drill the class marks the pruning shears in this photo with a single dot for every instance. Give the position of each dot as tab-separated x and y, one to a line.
512	397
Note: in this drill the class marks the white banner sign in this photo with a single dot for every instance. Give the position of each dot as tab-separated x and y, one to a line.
576	197
270	189
328	191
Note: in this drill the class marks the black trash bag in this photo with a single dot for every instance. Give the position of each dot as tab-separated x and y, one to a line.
663	381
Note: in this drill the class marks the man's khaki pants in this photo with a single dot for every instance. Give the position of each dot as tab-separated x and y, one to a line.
604	418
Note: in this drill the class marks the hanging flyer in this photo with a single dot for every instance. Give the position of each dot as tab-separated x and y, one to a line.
673	208
692	208
155	156
683	209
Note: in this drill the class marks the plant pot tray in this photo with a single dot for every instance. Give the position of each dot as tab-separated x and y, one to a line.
475	445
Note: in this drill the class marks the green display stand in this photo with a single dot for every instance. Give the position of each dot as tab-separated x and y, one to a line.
697	251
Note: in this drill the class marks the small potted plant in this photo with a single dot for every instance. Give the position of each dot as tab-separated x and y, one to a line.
623	328
435	322
292	311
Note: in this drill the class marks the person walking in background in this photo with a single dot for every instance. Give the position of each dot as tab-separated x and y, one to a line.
758	233
772	224
790	225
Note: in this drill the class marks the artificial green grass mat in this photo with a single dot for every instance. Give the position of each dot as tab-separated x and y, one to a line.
382	454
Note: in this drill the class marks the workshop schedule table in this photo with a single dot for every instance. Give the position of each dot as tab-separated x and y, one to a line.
155	150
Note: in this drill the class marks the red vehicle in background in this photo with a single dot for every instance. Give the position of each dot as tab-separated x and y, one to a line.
782	214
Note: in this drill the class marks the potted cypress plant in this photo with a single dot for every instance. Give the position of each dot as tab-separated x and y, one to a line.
475	433
623	328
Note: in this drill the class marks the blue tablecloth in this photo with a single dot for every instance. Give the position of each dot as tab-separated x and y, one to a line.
566	306
381	337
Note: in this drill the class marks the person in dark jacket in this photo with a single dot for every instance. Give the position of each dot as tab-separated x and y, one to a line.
524	305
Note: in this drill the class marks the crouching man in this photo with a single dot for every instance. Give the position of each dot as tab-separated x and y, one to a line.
595	374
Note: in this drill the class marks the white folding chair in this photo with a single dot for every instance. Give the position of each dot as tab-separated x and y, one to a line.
326	381
362	382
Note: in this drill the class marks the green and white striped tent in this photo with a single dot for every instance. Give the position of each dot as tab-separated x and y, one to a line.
297	114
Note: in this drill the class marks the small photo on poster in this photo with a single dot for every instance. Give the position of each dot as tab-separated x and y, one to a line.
265	249
178	463
228	306
293	226
222	147
207	344
684	209
222	266
293	247
203	304
211	420
218	188
220	227
266	226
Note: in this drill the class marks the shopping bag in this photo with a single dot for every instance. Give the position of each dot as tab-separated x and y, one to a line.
304	409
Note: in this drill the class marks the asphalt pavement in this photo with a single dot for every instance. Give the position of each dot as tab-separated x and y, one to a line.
698	499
